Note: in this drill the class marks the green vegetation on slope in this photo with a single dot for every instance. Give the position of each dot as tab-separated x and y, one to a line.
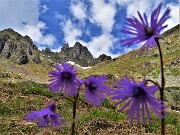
19	99
145	64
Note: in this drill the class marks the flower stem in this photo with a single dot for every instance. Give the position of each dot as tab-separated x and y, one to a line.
153	83
162	87
74	113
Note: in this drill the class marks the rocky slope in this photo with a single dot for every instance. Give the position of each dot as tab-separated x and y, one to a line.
22	50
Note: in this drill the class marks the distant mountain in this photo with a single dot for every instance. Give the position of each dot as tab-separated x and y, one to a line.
78	54
22	50
16	50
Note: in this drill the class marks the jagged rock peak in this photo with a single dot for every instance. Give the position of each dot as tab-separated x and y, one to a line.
47	50
103	57
14	45
9	30
78	54
77	44
65	47
22	50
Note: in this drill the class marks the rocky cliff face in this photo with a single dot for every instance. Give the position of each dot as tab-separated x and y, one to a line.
22	49
13	45
103	57
78	54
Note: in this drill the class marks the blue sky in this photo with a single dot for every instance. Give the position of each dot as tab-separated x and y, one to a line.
94	23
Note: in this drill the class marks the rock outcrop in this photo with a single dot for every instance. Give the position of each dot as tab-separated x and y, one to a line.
103	57
22	57
78	54
13	45
21	48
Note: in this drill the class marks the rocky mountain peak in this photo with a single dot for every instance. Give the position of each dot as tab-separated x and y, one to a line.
78	45
22	50
103	57
78	54
47	51
14	45
65	47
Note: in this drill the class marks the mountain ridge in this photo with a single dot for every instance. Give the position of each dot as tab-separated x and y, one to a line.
146	64
23	50
131	64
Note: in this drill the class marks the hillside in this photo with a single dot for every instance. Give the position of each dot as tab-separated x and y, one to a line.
23	87
132	63
146	64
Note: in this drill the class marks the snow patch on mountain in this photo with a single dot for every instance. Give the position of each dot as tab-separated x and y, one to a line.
72	63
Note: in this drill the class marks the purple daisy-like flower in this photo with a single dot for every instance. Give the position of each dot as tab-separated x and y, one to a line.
143	31
95	89
64	79
46	115
139	98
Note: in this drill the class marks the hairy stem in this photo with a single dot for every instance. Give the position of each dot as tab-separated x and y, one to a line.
74	113
162	87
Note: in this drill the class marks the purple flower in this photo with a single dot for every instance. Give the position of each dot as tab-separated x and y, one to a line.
143	31
64	79
95	88
138	96
46	115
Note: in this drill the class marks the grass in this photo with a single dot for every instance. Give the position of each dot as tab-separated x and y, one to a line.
19	99
171	122
37	89
145	65
175	72
109	114
4	109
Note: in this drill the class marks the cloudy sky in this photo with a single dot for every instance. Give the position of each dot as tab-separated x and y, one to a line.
94	23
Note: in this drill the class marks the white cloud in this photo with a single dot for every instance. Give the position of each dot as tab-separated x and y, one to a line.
43	8
103	14
135	5
175	19
23	17
101	45
37	36
98	45
71	32
142	6
148	6
123	2
78	9
12	14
